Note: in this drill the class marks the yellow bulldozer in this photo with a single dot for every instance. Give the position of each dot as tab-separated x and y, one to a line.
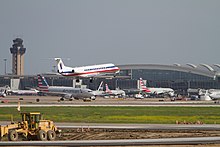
32	127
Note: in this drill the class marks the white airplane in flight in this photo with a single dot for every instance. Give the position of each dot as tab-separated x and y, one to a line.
66	92
86	71
157	91
116	92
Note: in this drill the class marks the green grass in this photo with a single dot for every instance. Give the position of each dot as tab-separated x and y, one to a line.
156	115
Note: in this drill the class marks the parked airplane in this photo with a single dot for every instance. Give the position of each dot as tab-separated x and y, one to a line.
138	96
86	71
214	94
24	92
99	91
66	92
117	92
157	91
4	91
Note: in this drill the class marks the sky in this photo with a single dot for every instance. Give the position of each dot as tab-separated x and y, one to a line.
86	32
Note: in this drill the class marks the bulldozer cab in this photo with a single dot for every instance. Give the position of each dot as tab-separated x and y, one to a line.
32	119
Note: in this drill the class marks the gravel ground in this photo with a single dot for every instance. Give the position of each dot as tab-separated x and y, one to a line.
104	134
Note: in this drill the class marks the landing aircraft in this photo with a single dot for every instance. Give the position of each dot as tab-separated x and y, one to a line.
86	71
66	92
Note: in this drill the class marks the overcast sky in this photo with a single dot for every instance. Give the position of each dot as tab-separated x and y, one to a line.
118	31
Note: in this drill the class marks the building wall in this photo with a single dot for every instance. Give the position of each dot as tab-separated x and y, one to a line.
178	79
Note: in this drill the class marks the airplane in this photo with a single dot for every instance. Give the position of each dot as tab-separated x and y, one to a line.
117	92
24	92
99	91
157	91
214	94
139	96
64	91
4	91
138	92
86	71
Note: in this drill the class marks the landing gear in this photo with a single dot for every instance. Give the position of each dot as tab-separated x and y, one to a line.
91	80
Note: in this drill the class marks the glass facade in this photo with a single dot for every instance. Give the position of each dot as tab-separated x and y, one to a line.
178	78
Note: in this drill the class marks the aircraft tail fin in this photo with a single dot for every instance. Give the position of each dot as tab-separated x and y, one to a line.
143	87
100	86
60	65
42	83
107	90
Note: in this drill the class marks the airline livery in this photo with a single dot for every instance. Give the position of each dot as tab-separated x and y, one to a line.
86	71
4	91
157	91
116	92
66	92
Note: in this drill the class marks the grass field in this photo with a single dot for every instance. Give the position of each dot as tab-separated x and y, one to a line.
155	115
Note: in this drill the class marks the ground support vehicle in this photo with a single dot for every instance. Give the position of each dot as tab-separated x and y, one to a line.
32	127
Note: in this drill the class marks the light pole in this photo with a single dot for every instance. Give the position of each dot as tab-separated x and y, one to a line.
5	60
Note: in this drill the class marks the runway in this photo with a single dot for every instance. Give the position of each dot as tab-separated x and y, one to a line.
131	142
210	127
29	101
46	101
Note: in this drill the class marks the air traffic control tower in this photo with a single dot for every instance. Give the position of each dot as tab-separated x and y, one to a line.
17	51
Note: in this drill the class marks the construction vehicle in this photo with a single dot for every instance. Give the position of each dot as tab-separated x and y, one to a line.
32	127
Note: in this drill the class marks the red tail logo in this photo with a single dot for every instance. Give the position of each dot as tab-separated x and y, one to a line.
107	90
42	84
143	87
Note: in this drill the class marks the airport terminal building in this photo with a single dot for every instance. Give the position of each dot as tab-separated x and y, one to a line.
178	77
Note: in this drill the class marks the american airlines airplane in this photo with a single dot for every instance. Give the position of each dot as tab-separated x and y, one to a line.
214	94
66	92
24	92
86	71
157	91
99	91
4	91
116	92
